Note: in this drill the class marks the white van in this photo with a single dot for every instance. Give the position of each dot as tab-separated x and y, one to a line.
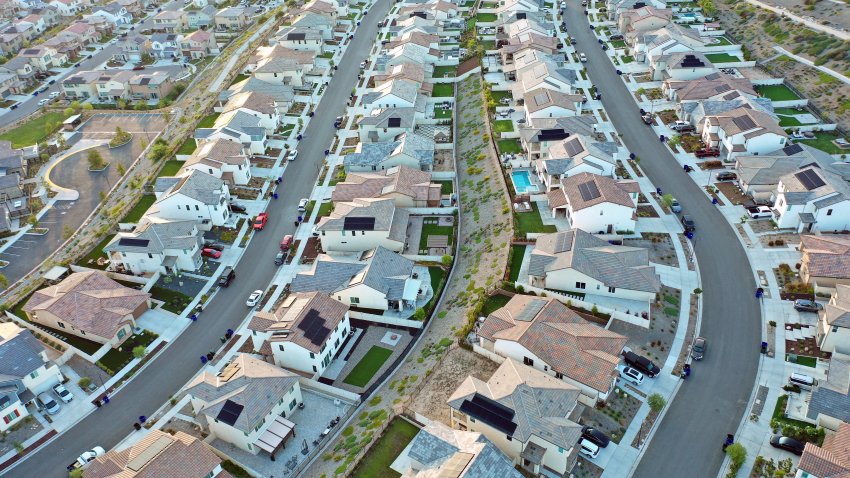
803	381
588	448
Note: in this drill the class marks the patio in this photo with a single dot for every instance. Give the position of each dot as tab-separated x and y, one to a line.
373	335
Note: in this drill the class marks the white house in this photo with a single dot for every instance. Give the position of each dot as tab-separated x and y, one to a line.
225	160
574	155
546	335
154	246
258	105
392	94
386	124
812	199
548	103
247	403
303	333
194	196
240	127
364	224
743	131
302	39
834	323
596	203
579	262
410	150
382	280
682	66
407	187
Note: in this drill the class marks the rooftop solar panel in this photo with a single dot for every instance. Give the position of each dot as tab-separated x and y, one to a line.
133	242
358	224
552	134
296	36
490	412
394	122
520	16
313	327
809	179
573	147
588	191
744	123
230	412
792	149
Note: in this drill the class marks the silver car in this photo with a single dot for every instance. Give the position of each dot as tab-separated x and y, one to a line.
698	348
48	403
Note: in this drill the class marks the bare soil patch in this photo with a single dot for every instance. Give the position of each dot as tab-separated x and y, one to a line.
731	191
660	247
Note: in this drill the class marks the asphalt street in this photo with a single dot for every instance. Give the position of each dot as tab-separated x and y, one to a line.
712	401
181	360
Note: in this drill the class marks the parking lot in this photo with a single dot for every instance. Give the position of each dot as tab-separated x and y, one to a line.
102	126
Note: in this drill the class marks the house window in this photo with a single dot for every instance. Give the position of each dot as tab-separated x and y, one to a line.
10	417
612	290
34	374
292	404
197	208
83	332
560	450
835	329
510	438
344	333
528	361
581	285
150	256
315	369
312	355
280	347
829	212
61	325
122	333
355	300
559	375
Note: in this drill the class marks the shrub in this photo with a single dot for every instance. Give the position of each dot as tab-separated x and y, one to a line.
738	455
84	382
656	402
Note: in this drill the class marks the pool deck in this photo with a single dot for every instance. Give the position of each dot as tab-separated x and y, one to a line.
533	186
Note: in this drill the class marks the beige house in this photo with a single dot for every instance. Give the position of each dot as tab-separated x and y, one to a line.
825	262
89	305
407	187
831	460
834	323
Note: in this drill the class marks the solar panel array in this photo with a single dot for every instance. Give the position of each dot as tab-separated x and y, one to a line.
723	88
230	412
691	61
133	242
394	122
358	224
552	134
145	81
490	412
531	310
744	123
573	147
313	327
588	191
792	149
296	36
809	179
520	16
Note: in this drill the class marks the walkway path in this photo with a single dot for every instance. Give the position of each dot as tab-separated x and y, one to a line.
809	23
836	75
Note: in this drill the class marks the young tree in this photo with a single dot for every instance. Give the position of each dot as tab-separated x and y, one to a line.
667	199
88	107
139	351
121	169
95	160
738	454
33	220
446	260
84	382
75	105
656	402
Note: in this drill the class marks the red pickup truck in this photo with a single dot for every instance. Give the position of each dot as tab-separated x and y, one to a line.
707	153
260	221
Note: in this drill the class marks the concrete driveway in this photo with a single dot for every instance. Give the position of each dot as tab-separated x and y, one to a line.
180	360
712	402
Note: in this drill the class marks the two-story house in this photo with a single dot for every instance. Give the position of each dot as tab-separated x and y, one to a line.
231	19
594	203
194	195
170	21
411	150
165	247
223	159
574	155
743	131
408	187
198	44
812	199
364	224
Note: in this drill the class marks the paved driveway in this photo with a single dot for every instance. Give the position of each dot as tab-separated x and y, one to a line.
711	403
180	361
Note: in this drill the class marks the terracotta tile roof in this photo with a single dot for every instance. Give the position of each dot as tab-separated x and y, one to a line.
175	456
569	344
284	322
826	256
710	86
400	179
251	100
218	152
750	122
830	461
610	191
837	311
90	301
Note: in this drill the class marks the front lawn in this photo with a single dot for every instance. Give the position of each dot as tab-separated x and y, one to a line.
445	71
807	361
90	259
722	58
777	92
779	414
627	59
327	55
517	254
35	131
526	222
79	343
434	230
174	301
618	44
325	209
368	366
115	359
383	453
485	17
509	146
139	209
170	168
208	121
824	142
442	90
503	126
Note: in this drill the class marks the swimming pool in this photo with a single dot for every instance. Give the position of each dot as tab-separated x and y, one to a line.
522	182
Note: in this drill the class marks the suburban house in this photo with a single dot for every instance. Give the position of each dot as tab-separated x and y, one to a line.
12	160
546	335
113	12
743	131
165	247
177	455
713	85
386	124
511	46
573	155
830	460
407	149
165	46
643	19
22	73
113	85
407	187
834	324
152	86
331	10
225	160
695	111
246	403
683	66
282	95
437	450
25	371
231	19
412	53
526	413
540	133
258	105
67	8
13	198
548	103
194	195
303	333
201	18
89	305
406	71
42	58
240	127
596	203
392	94
535	70
170	21
198	44
314	23
579	262
826	261
363	224
380	280
281	65
812	199
302	39
827	402
132	48
664	41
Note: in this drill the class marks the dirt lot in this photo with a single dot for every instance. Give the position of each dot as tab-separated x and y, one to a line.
660	246
654	342
824	12
457	365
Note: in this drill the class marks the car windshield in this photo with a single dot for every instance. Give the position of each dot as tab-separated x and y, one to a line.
698	346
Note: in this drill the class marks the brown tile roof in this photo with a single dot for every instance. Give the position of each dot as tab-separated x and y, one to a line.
830	461
175	456
709	86
610	190
735	122
569	344
541	98
251	100
217	152
400	179
90	301
403	71
284	322
826	256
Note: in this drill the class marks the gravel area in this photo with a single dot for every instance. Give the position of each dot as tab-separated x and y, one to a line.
660	247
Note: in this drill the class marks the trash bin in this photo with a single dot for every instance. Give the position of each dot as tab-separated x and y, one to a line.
764	347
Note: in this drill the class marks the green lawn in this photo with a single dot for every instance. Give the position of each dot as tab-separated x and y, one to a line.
442	90
721	58
171	168
807	361
824	142
510	146
381	455
139	209
485	17
498	95
434	229
90	259
627	59
438	276
777	92
445	71
208	121
368	366
618	44
723	41
446	187
327	55
503	126
34	131
530	222
188	147
173	301
440	113
493	303
239	78
115	360
80	343
517	254
489	45
779	412
325	209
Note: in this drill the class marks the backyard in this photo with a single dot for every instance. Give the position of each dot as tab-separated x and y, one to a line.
776	92
442	113
721	58
509	146
139	209
188	147
446	187
208	121
434	230
90	259
382	454
34	131
438	278
493	303
368	365
503	126
824	142
171	168
485	18
498	96
444	71
526	222
442	90
517	254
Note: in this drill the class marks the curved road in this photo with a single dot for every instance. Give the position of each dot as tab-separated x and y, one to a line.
712	402
180	361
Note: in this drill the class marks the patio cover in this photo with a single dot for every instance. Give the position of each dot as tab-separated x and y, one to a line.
411	290
275	434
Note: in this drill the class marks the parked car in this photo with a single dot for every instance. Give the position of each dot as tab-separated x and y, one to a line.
302	204
698	348
759	212
208	252
63	393
86	457
726	176
582	57
260	221
804	305
588	448
286	242
615	37
681	126
595	436
675	206
138	67
227	276
43	102
362	65
688	223
43	89
787	444
280	258
707	153
630	374
48	403
214	245
254	298
647	119
642	364
237	208
55	94
292	155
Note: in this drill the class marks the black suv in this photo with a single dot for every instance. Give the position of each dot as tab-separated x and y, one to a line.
688	223
227	276
726	176
643	364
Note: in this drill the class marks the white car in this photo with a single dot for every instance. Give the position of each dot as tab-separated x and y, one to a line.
759	212
563	4
362	65
588	448
254	298
43	102
292	155
55	94
63	393
582	57
48	403
302	204
630	375
86	458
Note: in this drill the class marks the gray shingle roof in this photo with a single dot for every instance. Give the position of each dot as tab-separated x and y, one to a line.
414	145
436	445
831	398
161	236
199	186
20	353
